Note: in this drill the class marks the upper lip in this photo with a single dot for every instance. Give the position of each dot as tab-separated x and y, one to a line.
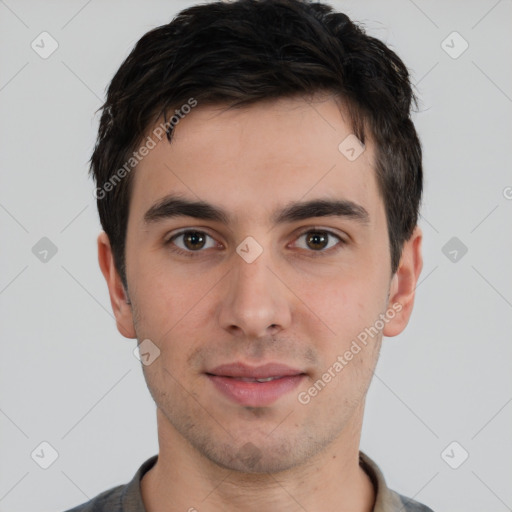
255	372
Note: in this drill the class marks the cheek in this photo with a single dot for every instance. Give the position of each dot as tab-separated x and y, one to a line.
345	305
169	298
349	348
176	313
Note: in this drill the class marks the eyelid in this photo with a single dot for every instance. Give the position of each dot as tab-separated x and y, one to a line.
186	229
307	229
331	231
175	234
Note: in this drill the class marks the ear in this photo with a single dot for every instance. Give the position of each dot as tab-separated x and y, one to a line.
403	284
118	296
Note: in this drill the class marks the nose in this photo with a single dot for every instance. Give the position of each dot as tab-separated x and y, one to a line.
255	302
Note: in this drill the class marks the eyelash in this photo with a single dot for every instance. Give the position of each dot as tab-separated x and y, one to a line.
314	254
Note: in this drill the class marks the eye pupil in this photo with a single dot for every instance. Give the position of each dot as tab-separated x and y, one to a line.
192	238
318	239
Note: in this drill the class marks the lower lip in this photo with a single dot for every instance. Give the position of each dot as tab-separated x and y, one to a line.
255	394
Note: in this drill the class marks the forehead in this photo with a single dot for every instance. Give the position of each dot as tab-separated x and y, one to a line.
254	159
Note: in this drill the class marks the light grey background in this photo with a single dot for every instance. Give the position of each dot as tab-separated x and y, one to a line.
70	379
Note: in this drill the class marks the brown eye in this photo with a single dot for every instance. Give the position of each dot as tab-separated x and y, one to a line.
319	241
194	240
191	241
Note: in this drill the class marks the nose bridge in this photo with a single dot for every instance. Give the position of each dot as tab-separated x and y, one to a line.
255	301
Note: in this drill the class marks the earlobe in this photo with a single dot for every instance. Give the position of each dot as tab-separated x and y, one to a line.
121	305
403	284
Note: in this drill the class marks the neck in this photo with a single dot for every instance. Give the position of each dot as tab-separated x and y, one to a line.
183	479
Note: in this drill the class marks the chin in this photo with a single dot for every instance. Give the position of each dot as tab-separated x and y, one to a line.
265	455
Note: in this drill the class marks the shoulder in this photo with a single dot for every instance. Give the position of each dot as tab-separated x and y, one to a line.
410	505
109	500
122	498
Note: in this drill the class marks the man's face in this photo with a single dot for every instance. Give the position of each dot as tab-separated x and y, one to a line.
317	284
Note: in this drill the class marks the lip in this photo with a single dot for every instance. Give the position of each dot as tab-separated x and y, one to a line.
227	379
256	372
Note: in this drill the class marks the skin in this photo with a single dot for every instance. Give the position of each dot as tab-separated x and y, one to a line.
287	306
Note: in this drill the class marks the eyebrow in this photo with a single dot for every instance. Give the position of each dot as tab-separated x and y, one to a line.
174	206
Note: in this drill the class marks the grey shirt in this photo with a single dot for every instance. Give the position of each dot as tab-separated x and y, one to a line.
128	498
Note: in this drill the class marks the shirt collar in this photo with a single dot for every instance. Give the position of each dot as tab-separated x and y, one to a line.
386	500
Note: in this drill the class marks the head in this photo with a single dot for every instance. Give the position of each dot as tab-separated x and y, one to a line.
245	109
